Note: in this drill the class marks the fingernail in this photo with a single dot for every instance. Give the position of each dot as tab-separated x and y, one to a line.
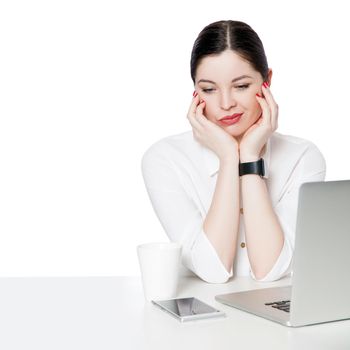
265	84
195	93
258	95
201	101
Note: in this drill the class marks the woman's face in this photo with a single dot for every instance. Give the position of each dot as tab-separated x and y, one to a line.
228	84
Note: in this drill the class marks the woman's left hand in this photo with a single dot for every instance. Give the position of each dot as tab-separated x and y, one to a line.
257	135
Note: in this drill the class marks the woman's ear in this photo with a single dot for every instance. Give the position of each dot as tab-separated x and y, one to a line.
269	76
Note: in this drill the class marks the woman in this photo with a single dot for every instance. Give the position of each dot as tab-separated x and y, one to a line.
228	189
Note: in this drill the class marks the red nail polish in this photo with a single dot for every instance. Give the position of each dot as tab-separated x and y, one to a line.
265	84
194	92
258	95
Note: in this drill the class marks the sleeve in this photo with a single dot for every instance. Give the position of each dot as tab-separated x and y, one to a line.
311	167
180	217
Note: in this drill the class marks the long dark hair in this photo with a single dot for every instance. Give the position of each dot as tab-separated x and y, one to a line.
235	35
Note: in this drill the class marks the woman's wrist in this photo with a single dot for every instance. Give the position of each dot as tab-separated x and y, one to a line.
248	158
232	157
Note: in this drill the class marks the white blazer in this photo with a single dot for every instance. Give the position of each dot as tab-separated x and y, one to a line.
180	177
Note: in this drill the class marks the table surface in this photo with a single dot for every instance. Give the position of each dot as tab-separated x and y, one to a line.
111	313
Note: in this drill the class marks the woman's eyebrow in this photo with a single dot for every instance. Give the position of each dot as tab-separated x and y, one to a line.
233	80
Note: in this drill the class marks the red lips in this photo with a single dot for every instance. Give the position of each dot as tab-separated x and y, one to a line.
231	116
230	119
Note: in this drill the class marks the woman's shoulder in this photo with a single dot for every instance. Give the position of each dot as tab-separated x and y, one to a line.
285	142
181	142
294	149
290	139
172	147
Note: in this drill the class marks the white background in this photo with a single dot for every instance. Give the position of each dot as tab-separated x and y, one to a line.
87	86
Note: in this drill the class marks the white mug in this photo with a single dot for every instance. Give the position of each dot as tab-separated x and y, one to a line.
159	265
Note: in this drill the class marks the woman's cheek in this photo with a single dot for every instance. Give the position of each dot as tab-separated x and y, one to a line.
257	112
208	111
211	108
255	105
205	111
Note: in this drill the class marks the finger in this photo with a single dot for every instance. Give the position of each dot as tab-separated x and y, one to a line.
197	128
271	101
192	111
199	115
267	93
194	123
193	106
266	112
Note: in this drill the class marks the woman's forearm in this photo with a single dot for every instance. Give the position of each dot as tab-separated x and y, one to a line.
221	224
264	235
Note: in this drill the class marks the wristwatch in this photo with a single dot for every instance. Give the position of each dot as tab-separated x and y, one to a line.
256	167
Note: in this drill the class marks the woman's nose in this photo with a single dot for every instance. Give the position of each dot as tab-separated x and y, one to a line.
227	101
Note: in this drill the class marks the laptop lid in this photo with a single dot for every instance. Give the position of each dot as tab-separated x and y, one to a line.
321	276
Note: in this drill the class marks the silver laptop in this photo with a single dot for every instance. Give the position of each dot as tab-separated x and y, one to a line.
320	290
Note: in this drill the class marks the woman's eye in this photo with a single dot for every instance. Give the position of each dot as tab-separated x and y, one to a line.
207	90
242	87
239	87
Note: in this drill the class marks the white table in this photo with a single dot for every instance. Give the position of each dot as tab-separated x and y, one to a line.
110	313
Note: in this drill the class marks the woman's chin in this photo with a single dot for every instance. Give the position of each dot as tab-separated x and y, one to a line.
234	130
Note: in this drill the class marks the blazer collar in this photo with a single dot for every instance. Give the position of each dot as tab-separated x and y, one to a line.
212	163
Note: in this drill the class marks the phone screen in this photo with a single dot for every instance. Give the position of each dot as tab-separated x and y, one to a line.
188	308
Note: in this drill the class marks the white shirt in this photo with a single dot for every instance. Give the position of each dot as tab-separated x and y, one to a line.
180	176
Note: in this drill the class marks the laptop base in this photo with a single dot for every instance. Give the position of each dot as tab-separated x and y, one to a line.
253	301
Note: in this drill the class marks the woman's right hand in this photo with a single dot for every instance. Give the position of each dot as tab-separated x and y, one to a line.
209	134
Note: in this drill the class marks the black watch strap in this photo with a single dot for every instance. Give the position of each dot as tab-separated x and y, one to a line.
256	167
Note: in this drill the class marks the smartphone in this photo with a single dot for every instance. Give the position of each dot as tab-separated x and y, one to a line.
188	309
